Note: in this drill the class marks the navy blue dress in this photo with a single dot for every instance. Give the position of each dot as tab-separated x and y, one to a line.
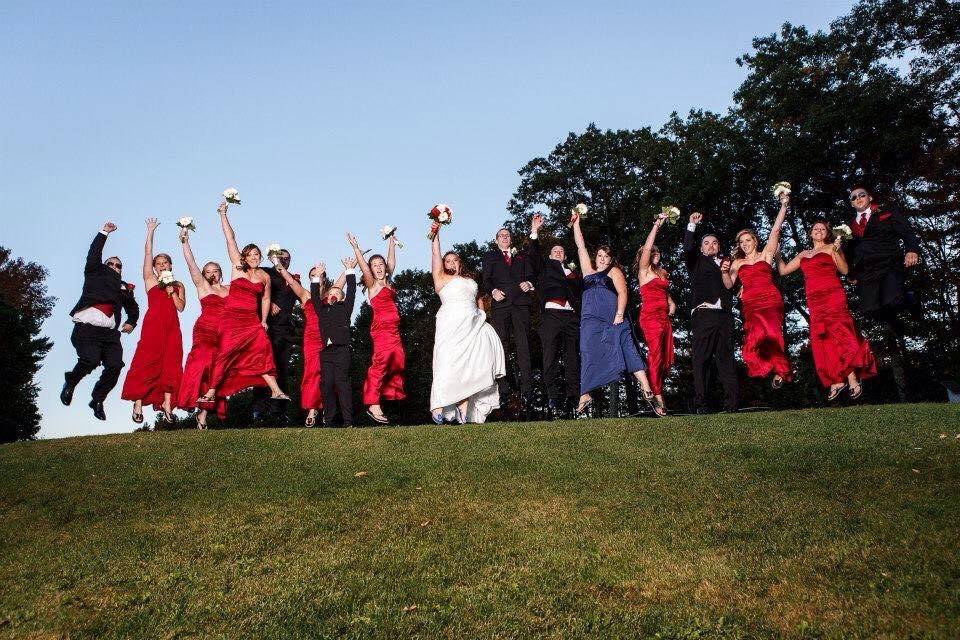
606	349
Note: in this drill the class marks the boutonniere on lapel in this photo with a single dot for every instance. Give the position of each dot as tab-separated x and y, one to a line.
572	266
126	286
513	252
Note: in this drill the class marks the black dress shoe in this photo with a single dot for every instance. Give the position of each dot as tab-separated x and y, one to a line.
98	412
66	394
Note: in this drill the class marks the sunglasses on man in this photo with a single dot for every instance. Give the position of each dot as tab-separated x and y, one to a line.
858	195
116	265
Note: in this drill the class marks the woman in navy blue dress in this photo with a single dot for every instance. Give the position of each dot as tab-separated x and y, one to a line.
607	347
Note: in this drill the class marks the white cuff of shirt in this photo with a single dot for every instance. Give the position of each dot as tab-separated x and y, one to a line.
104	232
533	235
691	226
315	280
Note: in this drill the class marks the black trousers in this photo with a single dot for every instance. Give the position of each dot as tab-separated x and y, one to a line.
514	320
335	383
713	341
560	328
96	346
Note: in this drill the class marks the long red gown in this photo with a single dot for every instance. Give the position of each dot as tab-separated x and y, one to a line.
385	374
838	347
156	367
762	306
310	395
199	366
244	353
657	331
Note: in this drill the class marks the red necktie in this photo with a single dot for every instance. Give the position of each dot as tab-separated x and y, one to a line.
506	256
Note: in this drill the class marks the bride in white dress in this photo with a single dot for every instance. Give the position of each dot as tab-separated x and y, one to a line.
467	353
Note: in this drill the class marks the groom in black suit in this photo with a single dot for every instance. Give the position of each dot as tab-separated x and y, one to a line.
508	276
281	331
96	323
560	289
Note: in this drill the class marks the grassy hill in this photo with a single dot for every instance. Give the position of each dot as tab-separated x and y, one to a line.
820	523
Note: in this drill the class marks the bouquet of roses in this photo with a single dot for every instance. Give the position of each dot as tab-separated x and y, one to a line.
231	195
440	214
166	279
780	189
388	231
186	224
843	231
670	213
579	211
274	251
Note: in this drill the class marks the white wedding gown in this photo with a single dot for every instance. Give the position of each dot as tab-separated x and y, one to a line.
467	355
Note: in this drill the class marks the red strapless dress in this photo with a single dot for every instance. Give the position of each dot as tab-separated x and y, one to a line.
244	353
837	346
157	364
762	306
310	396
657	331
199	366
385	375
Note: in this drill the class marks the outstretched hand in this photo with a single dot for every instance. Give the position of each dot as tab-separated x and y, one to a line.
536	221
910	259
222	209
349	263
109	227
696	217
320	269
152	224
353	241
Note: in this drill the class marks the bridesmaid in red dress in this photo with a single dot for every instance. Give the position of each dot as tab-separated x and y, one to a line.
761	302
244	356
656	308
841	355
311	397
206	333
384	379
155	371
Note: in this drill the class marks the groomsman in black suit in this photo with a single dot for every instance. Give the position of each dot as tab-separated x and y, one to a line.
712	322
560	288
508	276
280	329
96	323
334	308
883	247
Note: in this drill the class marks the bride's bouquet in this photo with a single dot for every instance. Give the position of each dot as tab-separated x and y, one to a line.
670	213
387	231
579	211
231	195
780	189
440	214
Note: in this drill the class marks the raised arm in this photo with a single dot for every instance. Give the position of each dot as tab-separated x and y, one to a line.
350	293
368	280
149	277
391	254
195	274
95	252
232	250
691	252
649	242
436	261
586	268
298	290
620	284
773	240
349	264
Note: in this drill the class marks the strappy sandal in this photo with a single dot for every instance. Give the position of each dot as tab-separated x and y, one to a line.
777	382
651	399
836	392
583	409
854	395
378	420
137	417
201	426
437	417
280	396
310	421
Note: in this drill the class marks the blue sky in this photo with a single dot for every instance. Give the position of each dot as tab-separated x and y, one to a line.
326	117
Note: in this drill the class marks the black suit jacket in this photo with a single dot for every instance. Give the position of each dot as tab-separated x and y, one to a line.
103	285
706	281
551	281
497	274
334	319
283	296
878	249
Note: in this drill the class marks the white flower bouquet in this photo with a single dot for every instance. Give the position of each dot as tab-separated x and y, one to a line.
578	211
166	279
781	188
388	231
843	231
670	213
231	195
274	250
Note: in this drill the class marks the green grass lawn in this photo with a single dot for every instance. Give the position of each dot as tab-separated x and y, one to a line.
821	523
